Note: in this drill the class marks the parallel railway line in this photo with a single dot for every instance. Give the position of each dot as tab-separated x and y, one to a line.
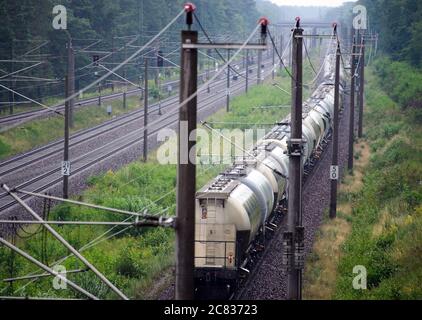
48	179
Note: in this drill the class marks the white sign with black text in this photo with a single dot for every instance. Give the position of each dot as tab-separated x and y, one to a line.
334	172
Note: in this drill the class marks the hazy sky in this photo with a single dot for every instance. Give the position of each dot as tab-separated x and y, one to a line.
331	3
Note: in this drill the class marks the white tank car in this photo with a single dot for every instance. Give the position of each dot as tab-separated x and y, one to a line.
235	206
266	161
229	213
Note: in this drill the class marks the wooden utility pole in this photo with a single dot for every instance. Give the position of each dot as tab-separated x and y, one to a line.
228	82
247	72
146	112
361	88
293	238
71	80
352	108
334	170
186	173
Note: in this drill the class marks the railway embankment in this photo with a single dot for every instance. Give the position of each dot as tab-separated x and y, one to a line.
378	233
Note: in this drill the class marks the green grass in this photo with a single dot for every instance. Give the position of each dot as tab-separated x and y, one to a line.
386	234
135	259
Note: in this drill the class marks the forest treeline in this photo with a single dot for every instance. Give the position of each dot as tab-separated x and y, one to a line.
399	23
26	23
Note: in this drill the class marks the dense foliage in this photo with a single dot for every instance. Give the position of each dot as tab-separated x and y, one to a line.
403	82
386	234
399	23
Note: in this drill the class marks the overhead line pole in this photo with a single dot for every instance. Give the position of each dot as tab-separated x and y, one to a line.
186	172
352	108
247	72
292	238
145	153
281	49
228	83
12	66
66	163
361	89
334	174
273	65
259	67
71	80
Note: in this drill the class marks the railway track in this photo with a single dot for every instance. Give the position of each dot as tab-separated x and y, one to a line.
50	178
11	120
271	241
45	112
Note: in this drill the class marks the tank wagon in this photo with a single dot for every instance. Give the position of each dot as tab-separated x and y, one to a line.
234	210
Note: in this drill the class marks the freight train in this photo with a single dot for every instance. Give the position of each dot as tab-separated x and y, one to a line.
234	210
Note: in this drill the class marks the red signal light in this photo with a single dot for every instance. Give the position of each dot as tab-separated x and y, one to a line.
264	21
190	7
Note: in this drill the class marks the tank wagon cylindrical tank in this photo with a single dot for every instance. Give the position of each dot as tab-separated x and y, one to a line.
233	209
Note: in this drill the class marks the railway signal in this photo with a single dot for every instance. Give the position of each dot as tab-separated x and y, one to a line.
160	60
96	60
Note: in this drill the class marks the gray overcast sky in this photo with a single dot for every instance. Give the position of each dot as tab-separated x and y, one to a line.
331	3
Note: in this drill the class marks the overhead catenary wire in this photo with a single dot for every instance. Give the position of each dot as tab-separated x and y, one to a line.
120	77
70	222
42	275
32	100
47	269
309	58
211	42
242	149
206	84
79	203
278	54
103	237
322	65
134	55
66	244
22	70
